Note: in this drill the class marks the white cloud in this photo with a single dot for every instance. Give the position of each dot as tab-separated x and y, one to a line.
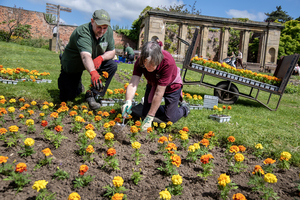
118	9
245	14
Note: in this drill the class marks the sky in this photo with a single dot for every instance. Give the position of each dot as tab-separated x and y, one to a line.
123	13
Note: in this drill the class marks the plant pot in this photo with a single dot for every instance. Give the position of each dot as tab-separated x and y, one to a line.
9	82
257	83
252	82
225	74
107	103
14	82
241	79
267	86
196	107
262	85
48	80
38	80
210	101
274	88
4	81
220	119
218	72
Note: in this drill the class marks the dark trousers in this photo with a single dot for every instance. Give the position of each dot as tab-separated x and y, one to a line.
239	62
168	112
70	85
130	58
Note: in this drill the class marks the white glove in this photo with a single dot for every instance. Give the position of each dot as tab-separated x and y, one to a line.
126	108
147	122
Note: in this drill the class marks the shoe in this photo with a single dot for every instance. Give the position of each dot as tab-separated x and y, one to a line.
89	97
187	108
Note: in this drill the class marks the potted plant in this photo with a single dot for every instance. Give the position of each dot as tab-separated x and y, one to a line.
219	115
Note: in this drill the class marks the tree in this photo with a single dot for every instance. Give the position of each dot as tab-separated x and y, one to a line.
234	41
289	39
298	19
279	15
50	18
14	16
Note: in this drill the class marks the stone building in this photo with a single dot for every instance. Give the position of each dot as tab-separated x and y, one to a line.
154	25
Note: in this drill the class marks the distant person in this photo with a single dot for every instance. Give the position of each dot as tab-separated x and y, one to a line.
159	43
296	70
91	47
233	59
129	53
239	60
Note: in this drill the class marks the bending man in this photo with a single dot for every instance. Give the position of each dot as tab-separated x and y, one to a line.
163	80
92	48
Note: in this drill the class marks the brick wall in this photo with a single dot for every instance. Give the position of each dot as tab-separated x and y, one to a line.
40	28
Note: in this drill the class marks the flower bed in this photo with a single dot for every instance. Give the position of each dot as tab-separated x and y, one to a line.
146	164
14	75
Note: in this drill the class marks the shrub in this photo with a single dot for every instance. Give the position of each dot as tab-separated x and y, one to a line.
292	89
3	35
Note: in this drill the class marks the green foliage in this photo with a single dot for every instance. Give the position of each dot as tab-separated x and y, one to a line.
253	49
22	31
136	176
279	15
20	179
241	19
292	89
55	139
289	39
234	41
33	42
50	18
61	175
3	35
82	180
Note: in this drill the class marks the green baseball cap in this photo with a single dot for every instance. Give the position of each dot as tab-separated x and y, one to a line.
101	17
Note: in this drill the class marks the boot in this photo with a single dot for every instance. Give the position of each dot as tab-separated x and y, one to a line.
89	97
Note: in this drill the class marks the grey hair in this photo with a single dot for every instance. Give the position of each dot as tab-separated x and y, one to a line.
151	51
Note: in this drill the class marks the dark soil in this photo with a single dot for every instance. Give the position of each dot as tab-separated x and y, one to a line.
153	180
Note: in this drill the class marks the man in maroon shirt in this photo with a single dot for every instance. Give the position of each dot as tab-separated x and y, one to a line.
163	80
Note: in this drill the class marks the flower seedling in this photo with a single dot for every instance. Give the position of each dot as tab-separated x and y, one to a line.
136	176
111	159
82	180
5	168
225	185
118	187
60	174
109	140
238	166
78	124
269	165
28	149
46	161
136	155
18	177
175	188
44	194
171	163
84	140
284	160
207	166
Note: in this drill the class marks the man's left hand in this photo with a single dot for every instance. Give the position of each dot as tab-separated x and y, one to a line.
98	61
147	122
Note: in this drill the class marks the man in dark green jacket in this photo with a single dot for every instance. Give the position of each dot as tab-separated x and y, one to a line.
91	47
129	53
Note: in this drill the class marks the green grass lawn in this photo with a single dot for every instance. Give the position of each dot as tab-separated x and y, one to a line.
250	123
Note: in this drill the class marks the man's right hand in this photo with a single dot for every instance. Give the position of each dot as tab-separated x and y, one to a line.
126	108
97	83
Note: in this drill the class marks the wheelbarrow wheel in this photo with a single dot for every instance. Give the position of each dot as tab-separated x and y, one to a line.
226	97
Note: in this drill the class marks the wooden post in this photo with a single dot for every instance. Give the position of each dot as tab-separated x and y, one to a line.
57	37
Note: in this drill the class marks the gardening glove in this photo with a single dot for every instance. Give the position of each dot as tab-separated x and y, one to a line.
126	108
97	83
147	122
98	61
